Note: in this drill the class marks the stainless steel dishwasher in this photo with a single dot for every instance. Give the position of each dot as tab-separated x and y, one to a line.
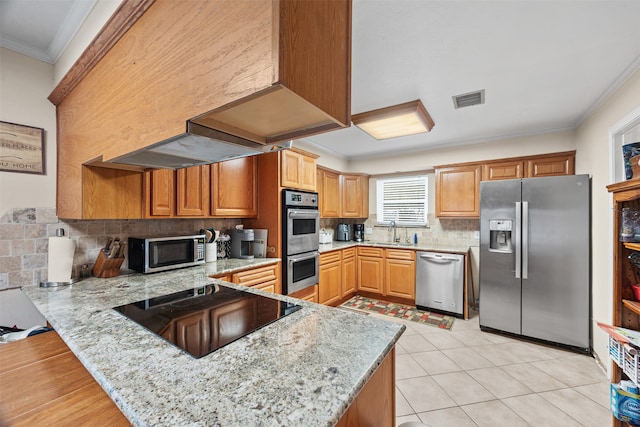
440	282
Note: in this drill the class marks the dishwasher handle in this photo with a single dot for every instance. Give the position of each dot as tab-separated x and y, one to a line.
439	258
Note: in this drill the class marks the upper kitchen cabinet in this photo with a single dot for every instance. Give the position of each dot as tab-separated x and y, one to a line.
263	70
354	190
329	193
233	188
458	185
298	170
458	191
552	165
343	195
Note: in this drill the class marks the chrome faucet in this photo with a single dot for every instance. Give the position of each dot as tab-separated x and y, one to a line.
392	224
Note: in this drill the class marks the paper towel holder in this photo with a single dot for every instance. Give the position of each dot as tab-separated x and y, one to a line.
59	233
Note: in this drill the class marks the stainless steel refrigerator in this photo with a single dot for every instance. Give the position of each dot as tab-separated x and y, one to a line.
535	258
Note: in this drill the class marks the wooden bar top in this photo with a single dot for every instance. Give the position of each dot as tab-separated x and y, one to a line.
43	383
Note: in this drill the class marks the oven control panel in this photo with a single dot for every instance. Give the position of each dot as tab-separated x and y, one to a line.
300	199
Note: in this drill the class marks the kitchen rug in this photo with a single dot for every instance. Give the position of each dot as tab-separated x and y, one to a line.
401	311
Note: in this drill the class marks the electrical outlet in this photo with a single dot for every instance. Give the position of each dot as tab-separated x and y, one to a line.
476	234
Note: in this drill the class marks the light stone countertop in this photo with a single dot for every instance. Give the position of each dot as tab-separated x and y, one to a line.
327	247
304	369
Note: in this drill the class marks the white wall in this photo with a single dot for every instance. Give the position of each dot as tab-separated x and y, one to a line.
592	143
25	84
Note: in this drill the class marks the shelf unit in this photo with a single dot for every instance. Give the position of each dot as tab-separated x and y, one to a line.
626	310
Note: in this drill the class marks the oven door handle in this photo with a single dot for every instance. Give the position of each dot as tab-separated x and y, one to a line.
303	213
294	259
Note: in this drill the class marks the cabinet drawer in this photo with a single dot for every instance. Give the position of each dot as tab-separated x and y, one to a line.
255	276
407	254
372	252
269	286
330	257
348	253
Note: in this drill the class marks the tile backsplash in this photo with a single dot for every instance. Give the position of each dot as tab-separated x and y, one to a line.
25	232
443	232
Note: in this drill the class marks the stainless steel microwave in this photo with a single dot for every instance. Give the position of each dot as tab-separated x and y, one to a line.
150	255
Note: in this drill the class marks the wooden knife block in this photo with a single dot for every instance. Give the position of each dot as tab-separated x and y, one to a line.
106	267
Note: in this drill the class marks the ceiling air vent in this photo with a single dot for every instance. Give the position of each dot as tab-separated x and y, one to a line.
469	99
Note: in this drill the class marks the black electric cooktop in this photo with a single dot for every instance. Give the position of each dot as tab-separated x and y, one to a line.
201	320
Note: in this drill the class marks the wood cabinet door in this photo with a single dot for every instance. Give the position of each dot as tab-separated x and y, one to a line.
308	173
192	188
550	166
329	194
400	278
309	293
370	274
458	191
503	170
349	284
353	196
330	283
160	192
193	332
290	169
234	188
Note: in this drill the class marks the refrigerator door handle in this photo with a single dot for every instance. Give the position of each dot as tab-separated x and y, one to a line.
525	240
518	239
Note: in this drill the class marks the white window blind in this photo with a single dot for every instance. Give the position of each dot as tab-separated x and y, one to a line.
403	200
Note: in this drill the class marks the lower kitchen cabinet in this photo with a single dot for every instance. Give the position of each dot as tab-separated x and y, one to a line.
400	273
330	282
375	404
309	293
349	267
265	278
370	271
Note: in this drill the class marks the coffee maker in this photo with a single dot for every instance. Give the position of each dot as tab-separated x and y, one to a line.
358	232
242	243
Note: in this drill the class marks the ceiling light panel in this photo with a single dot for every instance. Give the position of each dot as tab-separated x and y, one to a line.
399	120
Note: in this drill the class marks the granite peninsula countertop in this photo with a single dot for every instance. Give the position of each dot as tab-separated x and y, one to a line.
335	245
304	369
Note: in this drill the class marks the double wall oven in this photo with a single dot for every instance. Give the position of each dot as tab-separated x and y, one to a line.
301	236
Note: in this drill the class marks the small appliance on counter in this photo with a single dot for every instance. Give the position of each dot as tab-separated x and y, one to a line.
344	233
153	254
242	243
326	236
358	232
260	242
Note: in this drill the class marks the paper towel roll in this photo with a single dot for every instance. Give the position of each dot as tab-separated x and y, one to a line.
61	250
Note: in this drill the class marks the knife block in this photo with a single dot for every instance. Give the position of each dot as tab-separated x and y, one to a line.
106	267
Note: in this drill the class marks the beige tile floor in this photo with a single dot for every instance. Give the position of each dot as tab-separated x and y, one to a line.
466	377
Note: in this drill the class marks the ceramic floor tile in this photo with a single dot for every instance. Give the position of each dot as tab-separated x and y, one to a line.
435	362
467	358
402	406
496	338
423	394
462	388
499	383
400	349
581	408
598	392
496	355
533	377
573	371
493	414
415	343
525	351
447	417
407	367
471	338
538	412
444	341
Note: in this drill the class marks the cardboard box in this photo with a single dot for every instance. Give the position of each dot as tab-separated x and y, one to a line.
625	406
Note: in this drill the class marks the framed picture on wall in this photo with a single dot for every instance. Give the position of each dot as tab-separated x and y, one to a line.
21	148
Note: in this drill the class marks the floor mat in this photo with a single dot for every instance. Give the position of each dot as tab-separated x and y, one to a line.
402	311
